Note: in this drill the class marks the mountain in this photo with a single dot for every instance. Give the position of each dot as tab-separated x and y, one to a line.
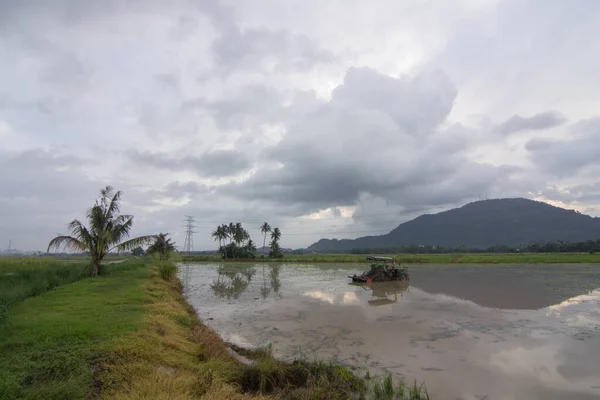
511	222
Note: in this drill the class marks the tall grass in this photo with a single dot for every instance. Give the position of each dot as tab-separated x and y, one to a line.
23	277
167	269
384	389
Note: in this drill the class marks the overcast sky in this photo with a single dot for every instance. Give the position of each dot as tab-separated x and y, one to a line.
337	118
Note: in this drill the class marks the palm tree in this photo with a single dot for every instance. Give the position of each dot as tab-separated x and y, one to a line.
106	232
231	230
276	234
219	234
240	234
250	247
264	228
275	250
162	246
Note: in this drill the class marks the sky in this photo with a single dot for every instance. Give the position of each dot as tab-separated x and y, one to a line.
333	119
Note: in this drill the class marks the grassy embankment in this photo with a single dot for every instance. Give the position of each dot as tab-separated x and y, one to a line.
129	334
469	258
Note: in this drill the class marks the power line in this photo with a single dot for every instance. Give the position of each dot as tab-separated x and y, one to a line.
188	245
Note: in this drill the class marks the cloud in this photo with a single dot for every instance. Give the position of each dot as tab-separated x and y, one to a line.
377	135
274	51
537	122
567	156
216	163
269	111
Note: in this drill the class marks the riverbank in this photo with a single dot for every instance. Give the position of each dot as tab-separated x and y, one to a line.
130	334
467	258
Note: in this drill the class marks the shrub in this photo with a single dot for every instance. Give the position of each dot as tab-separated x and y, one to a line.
167	269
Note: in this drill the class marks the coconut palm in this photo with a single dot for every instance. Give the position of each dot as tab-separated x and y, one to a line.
240	234
162	246
220	234
106	230
276	234
265	228
250	247
231	228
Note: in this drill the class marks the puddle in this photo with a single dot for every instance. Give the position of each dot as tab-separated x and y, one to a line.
469	332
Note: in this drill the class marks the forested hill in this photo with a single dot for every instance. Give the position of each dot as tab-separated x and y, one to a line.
511	222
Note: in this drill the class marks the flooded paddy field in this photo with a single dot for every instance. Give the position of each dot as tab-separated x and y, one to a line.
468	331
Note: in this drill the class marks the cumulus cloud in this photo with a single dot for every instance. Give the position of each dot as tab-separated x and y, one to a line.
537	122
377	135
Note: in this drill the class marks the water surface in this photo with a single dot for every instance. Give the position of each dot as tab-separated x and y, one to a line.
468	331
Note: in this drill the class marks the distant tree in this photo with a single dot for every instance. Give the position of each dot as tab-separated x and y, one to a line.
240	235
106	231
250	247
231	228
240	245
138	251
265	228
276	234
275	249
220	234
162	246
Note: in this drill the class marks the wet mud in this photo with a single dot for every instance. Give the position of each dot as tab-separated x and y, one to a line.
469	332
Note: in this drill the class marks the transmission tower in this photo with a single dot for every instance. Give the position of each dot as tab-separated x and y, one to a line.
188	245
9	246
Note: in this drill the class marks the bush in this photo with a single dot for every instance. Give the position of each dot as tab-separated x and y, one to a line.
167	269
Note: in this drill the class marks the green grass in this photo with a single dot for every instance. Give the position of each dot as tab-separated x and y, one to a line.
167	269
30	276
455	258
23	277
384	389
48	342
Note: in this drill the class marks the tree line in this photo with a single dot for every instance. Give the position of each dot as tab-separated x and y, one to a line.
559	246
235	242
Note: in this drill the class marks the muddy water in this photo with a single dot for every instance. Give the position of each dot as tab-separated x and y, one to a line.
469	332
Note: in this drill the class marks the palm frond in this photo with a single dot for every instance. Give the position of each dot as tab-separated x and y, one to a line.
121	229
79	231
68	242
265	227
133	243
96	219
114	206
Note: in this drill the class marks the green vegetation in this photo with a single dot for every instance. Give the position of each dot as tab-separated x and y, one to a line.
49	343
265	228
478	258
384	389
106	232
162	246
588	246
22	277
240	244
275	249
